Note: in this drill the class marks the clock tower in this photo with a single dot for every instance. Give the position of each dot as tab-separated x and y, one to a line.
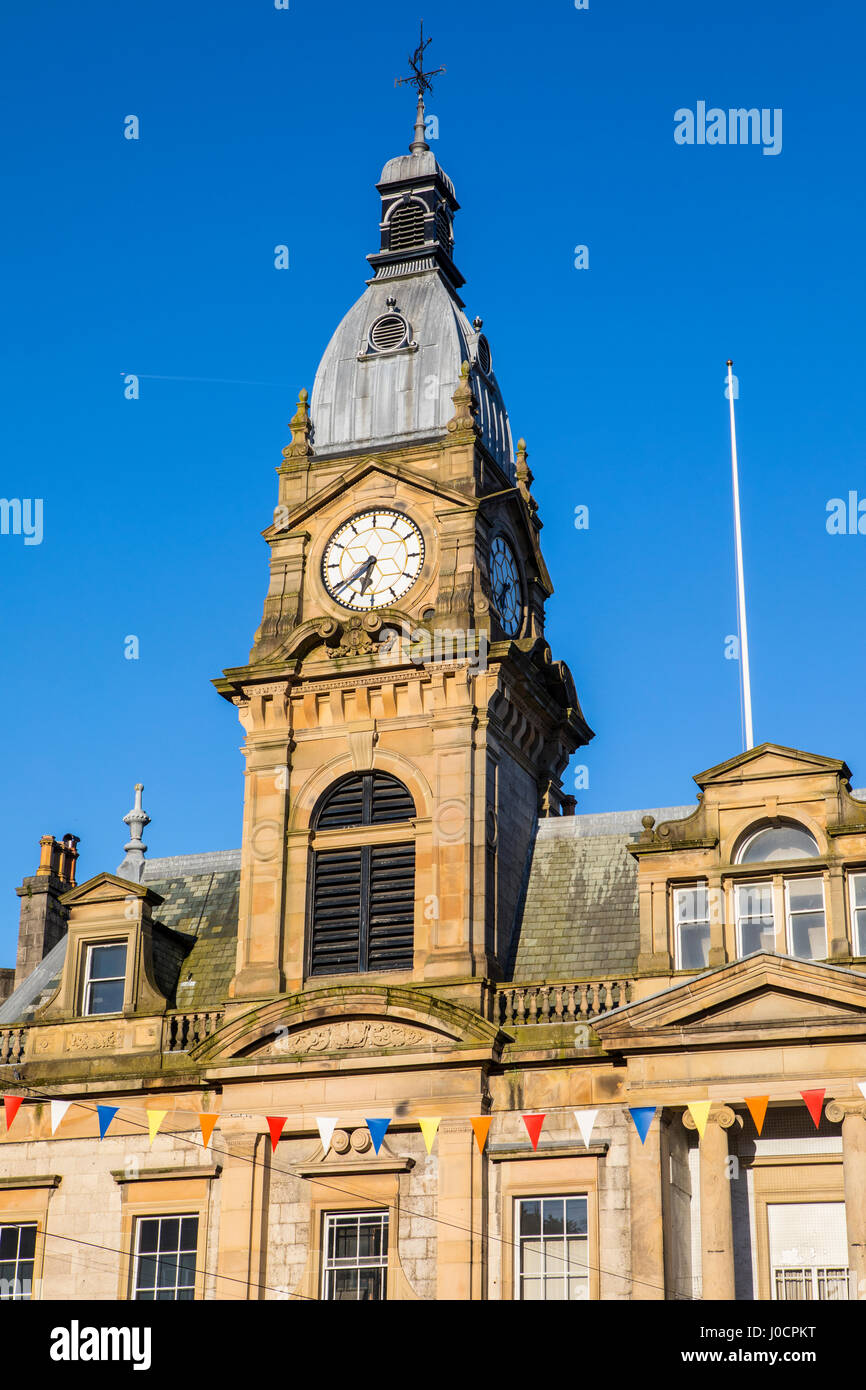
405	721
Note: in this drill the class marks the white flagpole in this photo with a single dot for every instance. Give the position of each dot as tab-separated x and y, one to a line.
741	588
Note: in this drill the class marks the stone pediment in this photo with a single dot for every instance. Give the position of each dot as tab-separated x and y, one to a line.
105	887
349	1021
369	472
767	762
761	999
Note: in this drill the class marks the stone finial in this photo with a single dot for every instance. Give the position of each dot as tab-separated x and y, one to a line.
133	862
465	406
525	477
301	431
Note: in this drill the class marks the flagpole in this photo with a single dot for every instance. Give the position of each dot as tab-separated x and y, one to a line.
741	588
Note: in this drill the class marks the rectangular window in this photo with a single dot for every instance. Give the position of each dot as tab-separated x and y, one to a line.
17	1253
692	921
756	929
105	978
355	1262
552	1253
858	913
808	1251
165	1256
804	900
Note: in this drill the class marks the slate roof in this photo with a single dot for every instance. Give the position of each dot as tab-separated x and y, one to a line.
580	915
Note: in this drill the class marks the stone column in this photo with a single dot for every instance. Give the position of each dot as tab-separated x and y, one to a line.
853	1118
460	1212
646	1216
717	1230
243	1196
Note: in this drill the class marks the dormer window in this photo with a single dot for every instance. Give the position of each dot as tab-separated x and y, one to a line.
788	841
692	924
105	978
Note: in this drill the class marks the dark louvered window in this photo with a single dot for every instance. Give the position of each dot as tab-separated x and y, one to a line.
407	226
363	898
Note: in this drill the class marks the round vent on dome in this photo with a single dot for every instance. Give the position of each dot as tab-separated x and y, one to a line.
388	332
484	354
406	227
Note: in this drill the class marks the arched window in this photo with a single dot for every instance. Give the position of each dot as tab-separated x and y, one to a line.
362	895
787	841
406	226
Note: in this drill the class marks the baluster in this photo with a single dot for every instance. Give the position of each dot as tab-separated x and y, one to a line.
558	1004
521	1006
533	1005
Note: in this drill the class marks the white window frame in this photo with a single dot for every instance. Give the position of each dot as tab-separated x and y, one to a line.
22	1297
86	1010
159	1255
739	917
689	922
331	1219
858	936
519	1276
789	931
792	825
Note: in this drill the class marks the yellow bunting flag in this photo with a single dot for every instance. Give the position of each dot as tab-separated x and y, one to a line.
207	1123
481	1125
758	1109
429	1126
154	1120
700	1112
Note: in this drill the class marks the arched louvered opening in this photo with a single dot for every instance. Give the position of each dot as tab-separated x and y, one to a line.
444	232
388	332
362	896
406	227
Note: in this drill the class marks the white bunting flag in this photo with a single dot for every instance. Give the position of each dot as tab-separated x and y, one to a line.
58	1110
326	1131
586	1121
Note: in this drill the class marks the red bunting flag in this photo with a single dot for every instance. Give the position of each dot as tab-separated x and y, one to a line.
11	1106
758	1110
207	1123
814	1101
533	1125
275	1125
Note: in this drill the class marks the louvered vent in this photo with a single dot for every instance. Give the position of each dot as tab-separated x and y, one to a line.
363	900
443	225
484	354
367	798
390	331
406	227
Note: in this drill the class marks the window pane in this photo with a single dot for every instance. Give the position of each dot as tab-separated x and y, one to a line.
530	1218
575	1216
169	1232
532	1254
8	1242
859	889
758	936
784	842
106	997
189	1233
107	962
694	947
805	894
807	936
148	1236
691	904
357	1256
167	1272
533	1289
147	1272
555	1289
860	932
553	1213
755	899
27	1243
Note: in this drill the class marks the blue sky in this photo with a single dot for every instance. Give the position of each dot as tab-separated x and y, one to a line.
261	126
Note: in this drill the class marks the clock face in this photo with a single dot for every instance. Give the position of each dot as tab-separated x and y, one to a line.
373	560
505	586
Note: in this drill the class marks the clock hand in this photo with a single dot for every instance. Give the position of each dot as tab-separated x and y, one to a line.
367	565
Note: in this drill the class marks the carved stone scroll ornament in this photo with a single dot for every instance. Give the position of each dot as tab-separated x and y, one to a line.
352	1035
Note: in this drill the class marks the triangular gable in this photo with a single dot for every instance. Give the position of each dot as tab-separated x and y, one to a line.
758	999
107	887
342	484
769	760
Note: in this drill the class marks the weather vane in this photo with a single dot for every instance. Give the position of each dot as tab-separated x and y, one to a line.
420	78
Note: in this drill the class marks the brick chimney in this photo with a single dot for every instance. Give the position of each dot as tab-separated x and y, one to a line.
43	919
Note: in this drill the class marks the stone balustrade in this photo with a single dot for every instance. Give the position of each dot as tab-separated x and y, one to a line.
181	1032
12	1041
574	1002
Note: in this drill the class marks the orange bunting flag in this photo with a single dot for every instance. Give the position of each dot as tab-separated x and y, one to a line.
207	1124
758	1109
11	1105
429	1126
481	1125
533	1127
154	1120
700	1113
275	1125
814	1101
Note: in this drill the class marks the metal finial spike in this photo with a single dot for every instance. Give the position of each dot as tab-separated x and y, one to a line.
419	144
